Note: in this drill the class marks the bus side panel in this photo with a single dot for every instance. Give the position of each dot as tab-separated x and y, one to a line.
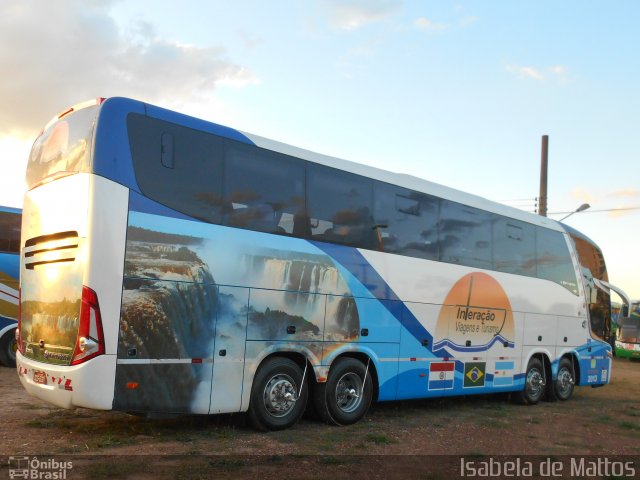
107	233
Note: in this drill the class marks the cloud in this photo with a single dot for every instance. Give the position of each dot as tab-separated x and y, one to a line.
469	20
559	73
526	72
625	193
354	14
427	25
581	194
55	54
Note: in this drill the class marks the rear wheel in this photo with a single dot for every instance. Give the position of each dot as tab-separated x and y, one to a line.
563	385
534	384
347	394
277	399
8	348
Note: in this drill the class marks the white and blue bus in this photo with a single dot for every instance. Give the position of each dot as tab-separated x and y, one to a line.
10	221
174	265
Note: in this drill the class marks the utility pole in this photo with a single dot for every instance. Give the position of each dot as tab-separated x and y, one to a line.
544	164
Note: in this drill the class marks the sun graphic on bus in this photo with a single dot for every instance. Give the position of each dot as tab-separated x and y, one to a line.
476	314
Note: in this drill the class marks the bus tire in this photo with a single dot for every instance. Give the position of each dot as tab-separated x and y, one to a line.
8	348
534	388
347	394
277	402
562	386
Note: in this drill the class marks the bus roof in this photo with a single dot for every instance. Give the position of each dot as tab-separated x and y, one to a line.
401	179
10	210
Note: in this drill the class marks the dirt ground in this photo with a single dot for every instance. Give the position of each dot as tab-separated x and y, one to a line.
392	438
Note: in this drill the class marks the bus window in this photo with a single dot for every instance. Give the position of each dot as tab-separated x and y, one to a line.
514	247
465	235
10	232
263	190
194	171
410	221
553	259
63	147
339	205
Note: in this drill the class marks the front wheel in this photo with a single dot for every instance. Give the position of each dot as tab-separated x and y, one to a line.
277	399
8	348
534	384
347	394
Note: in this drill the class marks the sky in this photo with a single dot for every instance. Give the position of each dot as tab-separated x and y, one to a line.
456	92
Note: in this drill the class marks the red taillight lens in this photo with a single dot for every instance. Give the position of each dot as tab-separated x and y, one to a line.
19	329
90	342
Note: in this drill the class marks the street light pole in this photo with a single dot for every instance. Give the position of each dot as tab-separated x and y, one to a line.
581	208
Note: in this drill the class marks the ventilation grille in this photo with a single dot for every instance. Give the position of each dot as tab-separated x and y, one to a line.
48	249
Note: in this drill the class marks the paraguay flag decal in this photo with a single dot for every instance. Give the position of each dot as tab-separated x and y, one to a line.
441	375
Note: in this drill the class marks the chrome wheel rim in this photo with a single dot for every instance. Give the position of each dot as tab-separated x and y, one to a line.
279	395
349	392
534	384
564	383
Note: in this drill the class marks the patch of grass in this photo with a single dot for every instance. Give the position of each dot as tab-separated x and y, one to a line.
604	418
108	440
380	439
628	425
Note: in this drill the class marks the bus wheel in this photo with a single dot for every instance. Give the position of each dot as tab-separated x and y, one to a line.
563	386
346	396
277	401
8	348
533	384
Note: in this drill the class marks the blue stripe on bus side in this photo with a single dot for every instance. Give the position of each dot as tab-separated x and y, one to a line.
10	264
505	365
142	204
354	262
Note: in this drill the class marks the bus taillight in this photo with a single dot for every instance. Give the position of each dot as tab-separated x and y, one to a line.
90	342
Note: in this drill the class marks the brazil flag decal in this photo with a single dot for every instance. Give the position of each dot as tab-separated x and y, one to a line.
474	374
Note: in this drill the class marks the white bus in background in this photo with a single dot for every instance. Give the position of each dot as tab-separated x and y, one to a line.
174	265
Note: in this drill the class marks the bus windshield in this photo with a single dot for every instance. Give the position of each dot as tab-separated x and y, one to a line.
63	147
628	330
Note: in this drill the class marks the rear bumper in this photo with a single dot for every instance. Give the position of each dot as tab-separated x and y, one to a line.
89	385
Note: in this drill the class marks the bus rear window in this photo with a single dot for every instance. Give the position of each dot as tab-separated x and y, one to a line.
63	148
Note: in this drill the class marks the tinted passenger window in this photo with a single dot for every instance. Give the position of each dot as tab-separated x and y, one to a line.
514	247
10	232
264	190
190	180
553	259
465	235
407	222
340	207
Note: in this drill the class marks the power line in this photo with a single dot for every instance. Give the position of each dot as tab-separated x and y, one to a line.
599	210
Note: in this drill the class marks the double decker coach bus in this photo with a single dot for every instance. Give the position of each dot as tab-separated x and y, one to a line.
10	220
174	265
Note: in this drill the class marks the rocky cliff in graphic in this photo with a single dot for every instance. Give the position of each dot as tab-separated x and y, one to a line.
168	312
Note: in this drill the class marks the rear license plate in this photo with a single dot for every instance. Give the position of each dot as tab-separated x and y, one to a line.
40	377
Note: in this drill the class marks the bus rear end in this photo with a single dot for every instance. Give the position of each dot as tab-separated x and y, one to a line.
66	350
